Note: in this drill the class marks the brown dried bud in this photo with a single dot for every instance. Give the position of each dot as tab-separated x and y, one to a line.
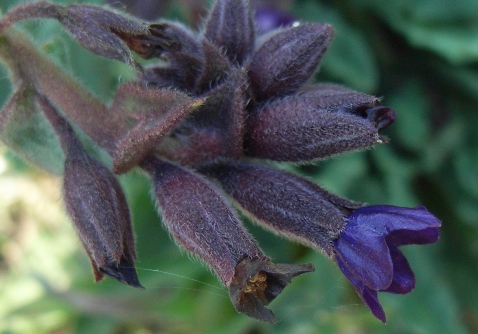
201	220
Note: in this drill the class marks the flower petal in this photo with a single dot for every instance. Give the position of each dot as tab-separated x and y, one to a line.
368	296
384	219
411	237
366	255
403	278
270	18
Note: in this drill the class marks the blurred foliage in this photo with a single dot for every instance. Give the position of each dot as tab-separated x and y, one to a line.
421	56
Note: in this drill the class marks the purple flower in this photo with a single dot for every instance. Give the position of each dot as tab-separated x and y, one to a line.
270	18
367	250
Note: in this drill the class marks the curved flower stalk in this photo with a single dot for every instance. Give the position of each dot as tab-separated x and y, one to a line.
215	100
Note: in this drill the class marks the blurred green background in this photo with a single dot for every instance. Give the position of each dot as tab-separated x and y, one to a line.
421	56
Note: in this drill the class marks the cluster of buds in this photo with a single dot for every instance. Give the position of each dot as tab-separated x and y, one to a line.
199	123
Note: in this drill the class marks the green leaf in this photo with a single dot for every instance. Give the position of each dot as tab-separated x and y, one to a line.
412	127
447	28
24	129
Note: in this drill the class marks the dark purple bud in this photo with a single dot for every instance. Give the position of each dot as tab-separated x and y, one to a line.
152	114
97	206
286	204
270	18
287	59
367	250
214	130
307	126
201	220
338	98
230	26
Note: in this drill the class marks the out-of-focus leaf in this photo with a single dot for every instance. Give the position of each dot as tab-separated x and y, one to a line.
441	314
412	127
448	28
349	57
24	129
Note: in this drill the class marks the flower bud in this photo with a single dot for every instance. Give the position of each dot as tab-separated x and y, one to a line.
287	59
179	46
97	206
215	130
314	125
201	220
285	204
230	27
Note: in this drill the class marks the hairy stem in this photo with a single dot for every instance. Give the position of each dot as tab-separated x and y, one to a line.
28	64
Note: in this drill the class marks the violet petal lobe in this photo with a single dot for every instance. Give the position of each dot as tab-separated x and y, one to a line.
381	229
365	253
270	18
368	296
384	219
403	280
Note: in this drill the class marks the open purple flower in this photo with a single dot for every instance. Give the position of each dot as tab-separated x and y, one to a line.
367	250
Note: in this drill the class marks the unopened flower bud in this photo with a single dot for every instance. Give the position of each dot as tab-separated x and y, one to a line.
201	220
287	59
97	206
230	26
285	203
316	124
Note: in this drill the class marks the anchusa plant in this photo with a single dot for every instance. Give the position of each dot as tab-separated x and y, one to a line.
219	102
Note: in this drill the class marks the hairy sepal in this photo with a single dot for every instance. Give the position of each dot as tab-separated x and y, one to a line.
231	27
287	59
150	114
